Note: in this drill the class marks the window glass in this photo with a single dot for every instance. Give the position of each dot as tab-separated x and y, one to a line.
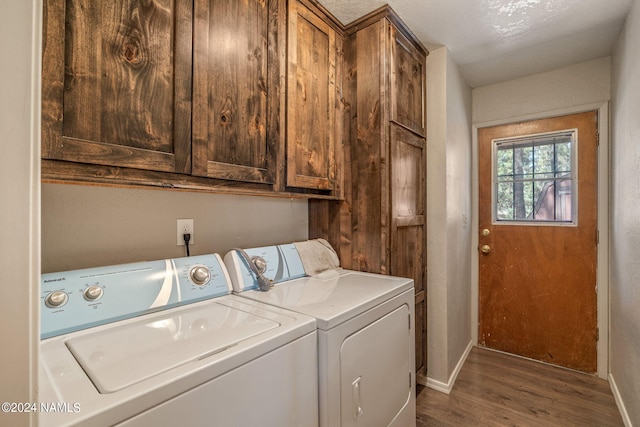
534	178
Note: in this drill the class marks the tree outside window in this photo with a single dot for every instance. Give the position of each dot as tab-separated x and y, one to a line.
533	178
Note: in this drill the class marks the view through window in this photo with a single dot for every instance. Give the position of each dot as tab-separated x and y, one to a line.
534	178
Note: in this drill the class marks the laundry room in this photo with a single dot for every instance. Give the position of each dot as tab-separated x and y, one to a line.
388	179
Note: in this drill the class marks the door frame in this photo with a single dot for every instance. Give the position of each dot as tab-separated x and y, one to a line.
603	221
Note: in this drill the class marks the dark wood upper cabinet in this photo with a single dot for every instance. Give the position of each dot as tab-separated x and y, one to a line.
211	95
312	101
238	62
117	83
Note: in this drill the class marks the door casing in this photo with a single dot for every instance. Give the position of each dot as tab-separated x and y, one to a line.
603	222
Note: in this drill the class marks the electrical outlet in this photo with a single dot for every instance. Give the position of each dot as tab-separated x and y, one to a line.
185	226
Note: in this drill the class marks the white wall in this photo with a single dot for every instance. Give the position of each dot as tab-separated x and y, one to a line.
19	210
565	88
625	219
448	203
88	226
458	212
580	87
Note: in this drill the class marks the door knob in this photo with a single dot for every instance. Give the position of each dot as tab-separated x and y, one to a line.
485	249
486	232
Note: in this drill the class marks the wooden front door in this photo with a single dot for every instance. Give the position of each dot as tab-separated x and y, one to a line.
538	239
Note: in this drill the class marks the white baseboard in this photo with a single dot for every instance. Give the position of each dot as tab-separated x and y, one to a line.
446	387
619	402
438	386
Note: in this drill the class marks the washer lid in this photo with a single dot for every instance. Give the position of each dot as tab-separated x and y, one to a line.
118	357
333	296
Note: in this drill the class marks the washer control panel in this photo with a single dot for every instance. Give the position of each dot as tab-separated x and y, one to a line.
79	299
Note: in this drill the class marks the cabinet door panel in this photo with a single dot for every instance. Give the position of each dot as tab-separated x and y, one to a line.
408	163
408	222
407	258
311	100
407	205
408	80
117	83
236	90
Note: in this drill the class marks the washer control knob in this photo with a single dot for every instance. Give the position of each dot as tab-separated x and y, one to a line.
260	263
56	299
92	293
200	275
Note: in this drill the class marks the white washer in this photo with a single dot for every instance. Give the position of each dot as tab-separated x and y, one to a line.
174	349
365	334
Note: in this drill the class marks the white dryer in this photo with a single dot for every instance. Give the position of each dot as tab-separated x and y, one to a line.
162	343
365	333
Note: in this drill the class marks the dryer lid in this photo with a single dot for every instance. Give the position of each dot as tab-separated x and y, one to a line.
333	297
120	356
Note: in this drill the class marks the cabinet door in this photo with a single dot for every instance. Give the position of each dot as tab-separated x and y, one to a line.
236	89
117	83
408	226
311	100
407	83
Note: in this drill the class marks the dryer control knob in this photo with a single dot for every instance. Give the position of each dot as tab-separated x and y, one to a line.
200	275
260	263
56	299
92	293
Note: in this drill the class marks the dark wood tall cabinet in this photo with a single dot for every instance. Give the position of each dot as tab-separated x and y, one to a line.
380	225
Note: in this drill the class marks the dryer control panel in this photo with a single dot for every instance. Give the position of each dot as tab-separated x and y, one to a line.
80	299
277	263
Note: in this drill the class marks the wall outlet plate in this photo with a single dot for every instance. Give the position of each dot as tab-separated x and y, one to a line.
185	226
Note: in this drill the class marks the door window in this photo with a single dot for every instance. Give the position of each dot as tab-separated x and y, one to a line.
535	179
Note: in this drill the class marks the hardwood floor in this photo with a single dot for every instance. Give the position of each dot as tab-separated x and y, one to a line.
496	389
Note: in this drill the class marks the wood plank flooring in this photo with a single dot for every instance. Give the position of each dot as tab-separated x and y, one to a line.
496	389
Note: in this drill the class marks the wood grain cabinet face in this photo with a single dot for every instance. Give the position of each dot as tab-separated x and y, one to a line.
408	224
407	83
236	89
219	95
117	83
407	174
311	100
380	226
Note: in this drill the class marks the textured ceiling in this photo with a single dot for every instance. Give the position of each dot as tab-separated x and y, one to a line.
498	40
